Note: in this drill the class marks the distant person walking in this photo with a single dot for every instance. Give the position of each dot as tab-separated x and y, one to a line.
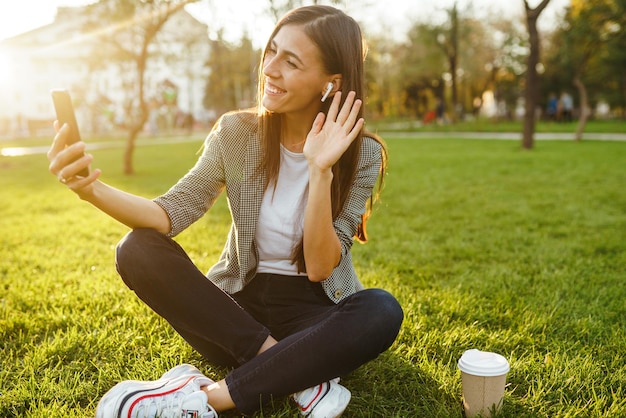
553	107
440	111
567	107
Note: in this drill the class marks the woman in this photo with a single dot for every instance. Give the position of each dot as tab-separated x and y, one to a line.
283	305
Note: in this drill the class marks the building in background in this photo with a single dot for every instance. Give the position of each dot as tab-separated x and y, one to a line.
61	55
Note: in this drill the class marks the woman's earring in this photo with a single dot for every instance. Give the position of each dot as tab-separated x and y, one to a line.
329	88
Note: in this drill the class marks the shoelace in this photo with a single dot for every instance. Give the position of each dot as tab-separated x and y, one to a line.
162	407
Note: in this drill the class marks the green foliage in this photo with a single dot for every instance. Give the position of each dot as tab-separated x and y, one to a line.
233	75
488	55
615	57
491	55
485	246
590	44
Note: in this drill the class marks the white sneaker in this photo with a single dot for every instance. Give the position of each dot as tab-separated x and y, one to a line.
326	400
182	370
177	396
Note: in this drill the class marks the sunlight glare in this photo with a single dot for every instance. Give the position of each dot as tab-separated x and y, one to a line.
5	68
25	15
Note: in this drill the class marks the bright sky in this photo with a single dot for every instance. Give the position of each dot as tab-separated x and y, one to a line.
18	16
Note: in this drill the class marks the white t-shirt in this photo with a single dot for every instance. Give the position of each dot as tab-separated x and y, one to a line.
281	218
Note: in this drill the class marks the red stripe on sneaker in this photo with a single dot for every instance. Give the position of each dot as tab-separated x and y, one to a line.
154	395
317	396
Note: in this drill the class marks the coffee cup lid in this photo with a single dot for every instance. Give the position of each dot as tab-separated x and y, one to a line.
483	363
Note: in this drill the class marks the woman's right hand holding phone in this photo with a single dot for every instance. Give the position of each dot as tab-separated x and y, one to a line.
67	161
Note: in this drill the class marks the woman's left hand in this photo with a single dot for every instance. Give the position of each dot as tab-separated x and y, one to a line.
331	135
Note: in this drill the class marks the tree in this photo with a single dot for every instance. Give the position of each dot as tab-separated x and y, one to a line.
589	26
588	51
232	80
384	83
613	61
507	60
127	31
420	73
448	40
277	8
478	55
532	77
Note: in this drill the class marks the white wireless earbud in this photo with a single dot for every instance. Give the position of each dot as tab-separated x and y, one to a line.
329	88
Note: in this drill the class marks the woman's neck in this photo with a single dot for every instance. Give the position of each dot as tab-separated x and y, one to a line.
294	132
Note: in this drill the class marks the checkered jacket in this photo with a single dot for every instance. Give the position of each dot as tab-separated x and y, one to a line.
230	160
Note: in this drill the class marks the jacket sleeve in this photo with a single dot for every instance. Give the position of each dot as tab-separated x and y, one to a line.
191	197
365	179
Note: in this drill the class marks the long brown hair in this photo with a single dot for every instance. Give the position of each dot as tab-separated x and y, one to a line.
343	50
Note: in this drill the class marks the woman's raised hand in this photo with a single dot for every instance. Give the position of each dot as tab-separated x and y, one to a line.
67	162
331	135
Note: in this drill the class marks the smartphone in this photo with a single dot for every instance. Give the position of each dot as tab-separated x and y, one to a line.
65	114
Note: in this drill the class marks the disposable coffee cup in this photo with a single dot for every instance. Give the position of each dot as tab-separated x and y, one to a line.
483	376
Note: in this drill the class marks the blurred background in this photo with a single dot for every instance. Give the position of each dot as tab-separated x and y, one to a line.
154	67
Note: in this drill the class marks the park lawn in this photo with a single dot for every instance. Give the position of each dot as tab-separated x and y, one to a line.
612	126
486	246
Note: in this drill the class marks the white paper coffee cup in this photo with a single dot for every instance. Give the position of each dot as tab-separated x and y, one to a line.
483	376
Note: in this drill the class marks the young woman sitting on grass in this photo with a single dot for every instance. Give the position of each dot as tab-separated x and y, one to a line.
283	305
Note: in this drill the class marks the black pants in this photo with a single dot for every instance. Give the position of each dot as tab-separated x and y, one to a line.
317	339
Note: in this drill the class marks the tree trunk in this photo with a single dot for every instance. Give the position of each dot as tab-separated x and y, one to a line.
532	78
454	40
454	96
141	118
530	94
624	96
160	14
584	105
128	152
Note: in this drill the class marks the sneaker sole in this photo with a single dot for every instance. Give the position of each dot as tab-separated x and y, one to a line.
110	406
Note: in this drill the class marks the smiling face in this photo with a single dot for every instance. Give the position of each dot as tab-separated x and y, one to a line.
294	76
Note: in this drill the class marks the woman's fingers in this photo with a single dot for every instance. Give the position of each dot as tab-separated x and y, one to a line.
346	108
349	112
72	164
356	128
66	161
58	143
333	110
77	183
318	123
71	158
353	115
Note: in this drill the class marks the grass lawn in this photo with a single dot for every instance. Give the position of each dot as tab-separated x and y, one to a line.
485	246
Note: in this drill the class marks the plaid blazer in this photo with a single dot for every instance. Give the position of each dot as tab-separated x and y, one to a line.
230	160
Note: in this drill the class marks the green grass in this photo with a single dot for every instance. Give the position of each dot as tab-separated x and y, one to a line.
611	126
485	246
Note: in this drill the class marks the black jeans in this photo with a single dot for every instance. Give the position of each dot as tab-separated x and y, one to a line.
317	339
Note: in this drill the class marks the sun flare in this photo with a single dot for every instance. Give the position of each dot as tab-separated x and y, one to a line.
5	68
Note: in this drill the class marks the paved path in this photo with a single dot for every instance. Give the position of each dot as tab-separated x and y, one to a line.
510	136
19	151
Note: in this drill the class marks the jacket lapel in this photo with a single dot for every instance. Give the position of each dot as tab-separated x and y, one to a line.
251	196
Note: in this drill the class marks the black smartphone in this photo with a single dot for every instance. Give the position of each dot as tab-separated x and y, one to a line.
65	114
